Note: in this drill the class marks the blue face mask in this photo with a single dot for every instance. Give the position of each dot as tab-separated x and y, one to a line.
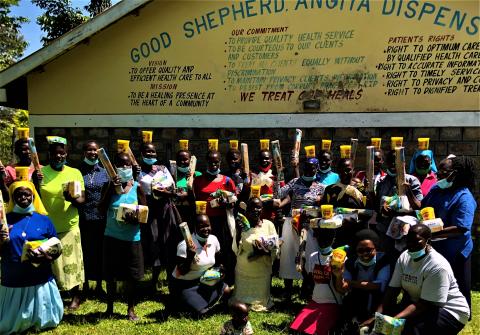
308	178
213	173
149	161
326	251
201	239
417	254
444	184
326	170
90	162
20	210
391	174
183	169
370	263
59	165
125	174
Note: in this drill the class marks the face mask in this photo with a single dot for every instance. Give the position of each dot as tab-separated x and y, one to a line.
266	168
20	210
370	263
326	170
417	254
213	173
90	162
444	184
149	161
59	165
183	169
326	251
125	174
422	172
391	174
201	239
308	178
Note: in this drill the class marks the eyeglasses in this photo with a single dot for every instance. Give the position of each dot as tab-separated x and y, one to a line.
365	250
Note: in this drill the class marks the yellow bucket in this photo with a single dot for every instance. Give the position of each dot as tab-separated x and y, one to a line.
183	144
234	144
345	151
255	191
213	144
427	213
147	136
327	211
326	145
396	142
123	145
264	144
376	142
310	151
423	143
22	173
201	207
23	133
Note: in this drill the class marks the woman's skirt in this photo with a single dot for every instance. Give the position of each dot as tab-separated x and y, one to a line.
316	318
122	260
288	251
68	268
22	308
196	297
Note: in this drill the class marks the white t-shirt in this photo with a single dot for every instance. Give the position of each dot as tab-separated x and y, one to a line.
324	290
205	256
431	279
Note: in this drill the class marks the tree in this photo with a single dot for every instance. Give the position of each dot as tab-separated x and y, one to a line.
59	18
97	6
12	43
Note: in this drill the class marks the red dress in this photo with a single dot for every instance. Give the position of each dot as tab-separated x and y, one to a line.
203	188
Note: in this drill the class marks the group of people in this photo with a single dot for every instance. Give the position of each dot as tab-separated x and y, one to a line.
246	226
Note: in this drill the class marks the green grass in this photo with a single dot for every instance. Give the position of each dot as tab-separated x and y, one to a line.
155	320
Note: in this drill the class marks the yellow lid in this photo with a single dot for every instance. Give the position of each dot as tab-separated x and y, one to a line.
213	144
264	144
423	143
345	151
326	145
21	173
376	142
310	151
255	191
123	145
201	207
147	136
183	145
396	142
23	133
233	144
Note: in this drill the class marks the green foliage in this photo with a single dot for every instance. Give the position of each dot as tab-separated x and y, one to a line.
10	118
97	6
12	43
59	18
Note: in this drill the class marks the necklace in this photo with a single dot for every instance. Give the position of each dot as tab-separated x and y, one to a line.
24	233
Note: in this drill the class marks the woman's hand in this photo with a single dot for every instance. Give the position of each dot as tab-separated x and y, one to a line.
38	176
116	180
38	256
130	218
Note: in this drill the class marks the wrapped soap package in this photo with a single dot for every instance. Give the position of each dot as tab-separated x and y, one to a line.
141	212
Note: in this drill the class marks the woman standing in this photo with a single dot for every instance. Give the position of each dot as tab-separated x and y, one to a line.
63	211
122	249
454	203
254	264
185	201
204	188
423	167
325	175
29	296
92	221
160	235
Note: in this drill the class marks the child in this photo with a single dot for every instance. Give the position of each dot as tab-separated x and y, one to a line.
239	324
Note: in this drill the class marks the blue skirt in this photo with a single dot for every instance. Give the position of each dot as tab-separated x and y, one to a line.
22	308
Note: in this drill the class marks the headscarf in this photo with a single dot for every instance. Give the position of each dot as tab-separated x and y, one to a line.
37	203
429	153
314	161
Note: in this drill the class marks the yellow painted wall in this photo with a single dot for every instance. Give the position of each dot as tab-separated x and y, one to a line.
312	56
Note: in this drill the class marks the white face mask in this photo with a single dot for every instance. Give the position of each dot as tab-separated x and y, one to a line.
444	183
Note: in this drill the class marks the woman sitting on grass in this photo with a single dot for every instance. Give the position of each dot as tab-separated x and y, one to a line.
194	292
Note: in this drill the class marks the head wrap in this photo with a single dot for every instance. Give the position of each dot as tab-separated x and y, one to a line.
37	202
428	153
314	161
56	140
